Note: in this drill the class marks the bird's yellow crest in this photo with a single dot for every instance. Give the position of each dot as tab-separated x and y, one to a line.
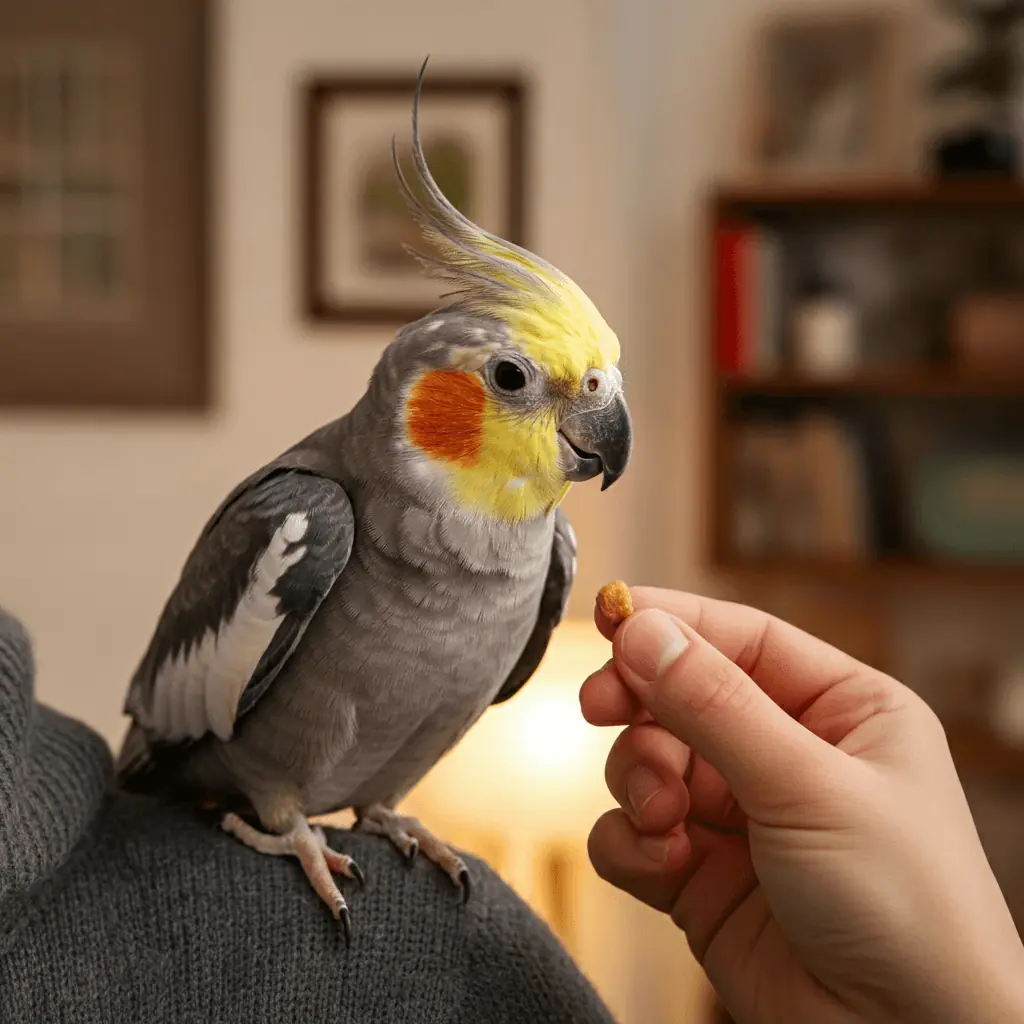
549	316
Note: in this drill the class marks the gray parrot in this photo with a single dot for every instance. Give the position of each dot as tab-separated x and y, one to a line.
355	605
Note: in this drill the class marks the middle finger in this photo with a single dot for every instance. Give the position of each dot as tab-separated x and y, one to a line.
644	772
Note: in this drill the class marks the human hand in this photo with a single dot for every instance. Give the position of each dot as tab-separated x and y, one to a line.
799	816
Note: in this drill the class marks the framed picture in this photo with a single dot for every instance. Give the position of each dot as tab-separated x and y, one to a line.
355	223
102	204
828	96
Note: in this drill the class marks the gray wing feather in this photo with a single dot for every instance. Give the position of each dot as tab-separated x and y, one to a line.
246	594
557	585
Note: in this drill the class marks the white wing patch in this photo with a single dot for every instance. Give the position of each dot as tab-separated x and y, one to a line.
571	534
199	693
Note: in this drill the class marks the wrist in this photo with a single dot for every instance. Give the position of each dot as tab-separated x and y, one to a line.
989	996
1002	999
979	982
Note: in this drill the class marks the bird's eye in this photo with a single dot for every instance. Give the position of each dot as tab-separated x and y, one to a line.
509	377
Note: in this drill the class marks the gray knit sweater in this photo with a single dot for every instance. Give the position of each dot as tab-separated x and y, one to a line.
117	908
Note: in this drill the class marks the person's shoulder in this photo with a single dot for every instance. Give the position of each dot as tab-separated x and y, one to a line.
501	963
519	970
165	891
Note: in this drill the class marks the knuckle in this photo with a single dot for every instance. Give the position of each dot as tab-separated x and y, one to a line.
923	712
723	690
890	696
926	720
753	652
633	742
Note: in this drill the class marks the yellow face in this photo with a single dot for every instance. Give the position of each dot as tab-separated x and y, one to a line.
500	431
512	432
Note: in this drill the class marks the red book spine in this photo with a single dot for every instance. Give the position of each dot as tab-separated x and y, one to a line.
735	252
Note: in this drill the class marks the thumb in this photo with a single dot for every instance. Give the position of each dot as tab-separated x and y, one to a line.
699	695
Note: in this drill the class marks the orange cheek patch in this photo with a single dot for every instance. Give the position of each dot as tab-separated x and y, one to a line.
445	416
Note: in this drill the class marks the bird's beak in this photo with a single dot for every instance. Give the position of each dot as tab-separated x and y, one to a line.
597	441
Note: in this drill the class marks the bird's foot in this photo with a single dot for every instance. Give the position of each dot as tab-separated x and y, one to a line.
410	837
308	845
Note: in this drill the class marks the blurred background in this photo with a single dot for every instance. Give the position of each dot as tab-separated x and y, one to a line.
805	222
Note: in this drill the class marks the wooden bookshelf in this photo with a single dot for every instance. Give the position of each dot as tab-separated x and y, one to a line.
980	755
898	385
936	387
885	571
880	196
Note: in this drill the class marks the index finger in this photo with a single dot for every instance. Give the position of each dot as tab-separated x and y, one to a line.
793	667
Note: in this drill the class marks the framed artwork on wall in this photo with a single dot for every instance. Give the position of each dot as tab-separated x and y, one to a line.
103	204
354	221
828	96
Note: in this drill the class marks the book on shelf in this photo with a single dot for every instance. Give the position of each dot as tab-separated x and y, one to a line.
748	298
833	458
801	490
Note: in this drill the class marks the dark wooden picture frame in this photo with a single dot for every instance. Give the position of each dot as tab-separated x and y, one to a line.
805	59
324	96
104	224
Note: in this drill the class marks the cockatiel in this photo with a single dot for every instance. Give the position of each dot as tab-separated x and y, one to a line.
354	606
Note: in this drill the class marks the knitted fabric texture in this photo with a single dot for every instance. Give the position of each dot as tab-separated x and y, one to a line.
118	908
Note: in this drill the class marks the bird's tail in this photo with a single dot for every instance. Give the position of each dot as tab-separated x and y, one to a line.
134	762
146	771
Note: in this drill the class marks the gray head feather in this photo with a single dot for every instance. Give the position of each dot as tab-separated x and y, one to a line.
489	271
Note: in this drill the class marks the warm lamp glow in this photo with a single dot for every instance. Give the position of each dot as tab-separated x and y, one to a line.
550	735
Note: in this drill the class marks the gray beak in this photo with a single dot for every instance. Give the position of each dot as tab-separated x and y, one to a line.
598	441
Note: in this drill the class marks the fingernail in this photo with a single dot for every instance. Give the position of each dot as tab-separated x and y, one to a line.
642	786
655	849
651	643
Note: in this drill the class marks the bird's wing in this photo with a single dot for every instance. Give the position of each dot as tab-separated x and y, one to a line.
561	573
247	592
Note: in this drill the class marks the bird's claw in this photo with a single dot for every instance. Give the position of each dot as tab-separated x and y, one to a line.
318	860
410	838
339	863
342	913
464	882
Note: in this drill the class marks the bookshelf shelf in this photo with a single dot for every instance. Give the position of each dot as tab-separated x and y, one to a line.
902	385
881	571
882	195
977	753
842	432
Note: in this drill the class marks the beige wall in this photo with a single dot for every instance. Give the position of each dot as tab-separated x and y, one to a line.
636	109
98	512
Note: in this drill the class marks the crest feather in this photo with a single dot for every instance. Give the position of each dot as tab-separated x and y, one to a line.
497	278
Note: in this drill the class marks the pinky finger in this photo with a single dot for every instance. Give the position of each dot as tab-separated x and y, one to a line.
649	868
